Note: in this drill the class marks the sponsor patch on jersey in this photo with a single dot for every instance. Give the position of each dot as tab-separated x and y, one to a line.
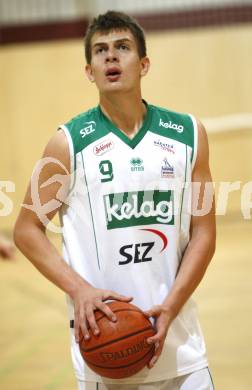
141	252
137	208
167	170
136	164
103	147
170	125
165	146
88	129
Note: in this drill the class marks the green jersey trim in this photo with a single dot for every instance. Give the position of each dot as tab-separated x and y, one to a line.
140	134
96	246
90	126
174	125
195	146
71	155
85	129
183	192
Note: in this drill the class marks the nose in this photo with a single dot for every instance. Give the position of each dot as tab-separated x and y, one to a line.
111	56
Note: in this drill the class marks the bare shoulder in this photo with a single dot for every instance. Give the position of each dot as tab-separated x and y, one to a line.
58	149
57	146
50	174
203	147
202	134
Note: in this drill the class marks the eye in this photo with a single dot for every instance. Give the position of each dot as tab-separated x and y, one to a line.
123	47
100	50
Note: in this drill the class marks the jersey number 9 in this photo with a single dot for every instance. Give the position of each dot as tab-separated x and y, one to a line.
106	170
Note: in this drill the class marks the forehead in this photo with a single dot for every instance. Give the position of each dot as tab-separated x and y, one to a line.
112	36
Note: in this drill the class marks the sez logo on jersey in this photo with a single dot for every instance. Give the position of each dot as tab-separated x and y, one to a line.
88	129
136	208
141	252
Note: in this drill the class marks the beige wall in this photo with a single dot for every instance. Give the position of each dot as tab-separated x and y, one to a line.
231	162
206	72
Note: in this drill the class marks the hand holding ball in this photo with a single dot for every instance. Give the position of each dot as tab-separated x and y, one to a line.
120	350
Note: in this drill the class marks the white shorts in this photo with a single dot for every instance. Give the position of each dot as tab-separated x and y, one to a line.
200	380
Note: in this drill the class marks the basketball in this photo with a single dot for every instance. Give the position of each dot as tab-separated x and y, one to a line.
120	350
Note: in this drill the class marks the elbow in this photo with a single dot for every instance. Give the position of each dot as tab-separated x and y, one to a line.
25	233
22	235
205	241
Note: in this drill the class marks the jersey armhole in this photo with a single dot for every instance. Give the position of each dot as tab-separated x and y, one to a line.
71	153
195	140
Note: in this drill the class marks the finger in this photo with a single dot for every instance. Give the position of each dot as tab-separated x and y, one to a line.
157	353
154	357
84	328
157	337
153	339
153	312
2	255
150	313
80	323
76	329
6	255
116	296
106	310
91	320
6	251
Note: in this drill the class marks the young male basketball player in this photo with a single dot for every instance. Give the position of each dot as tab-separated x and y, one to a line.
127	224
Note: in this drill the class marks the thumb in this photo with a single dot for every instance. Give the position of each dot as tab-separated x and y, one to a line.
148	313
153	312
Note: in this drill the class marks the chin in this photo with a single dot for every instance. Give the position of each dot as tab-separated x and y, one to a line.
116	87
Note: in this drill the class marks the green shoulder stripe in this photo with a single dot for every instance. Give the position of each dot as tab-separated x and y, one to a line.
173	125
85	129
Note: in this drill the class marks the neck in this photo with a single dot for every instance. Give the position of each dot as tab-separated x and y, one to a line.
127	113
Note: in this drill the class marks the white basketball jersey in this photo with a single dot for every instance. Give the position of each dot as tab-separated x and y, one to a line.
126	224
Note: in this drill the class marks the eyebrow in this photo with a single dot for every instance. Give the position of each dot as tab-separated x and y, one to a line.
122	40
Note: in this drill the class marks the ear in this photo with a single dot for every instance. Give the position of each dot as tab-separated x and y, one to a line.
145	66
89	73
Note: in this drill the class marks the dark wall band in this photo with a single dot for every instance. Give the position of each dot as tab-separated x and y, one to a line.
200	17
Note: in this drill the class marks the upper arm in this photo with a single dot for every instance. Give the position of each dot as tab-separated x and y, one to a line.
202	189
49	179
201	168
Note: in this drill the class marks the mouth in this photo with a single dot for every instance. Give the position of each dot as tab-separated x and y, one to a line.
113	74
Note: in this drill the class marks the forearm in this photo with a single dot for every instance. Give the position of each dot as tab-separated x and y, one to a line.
194	263
35	245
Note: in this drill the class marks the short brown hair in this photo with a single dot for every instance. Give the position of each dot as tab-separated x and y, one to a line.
112	20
